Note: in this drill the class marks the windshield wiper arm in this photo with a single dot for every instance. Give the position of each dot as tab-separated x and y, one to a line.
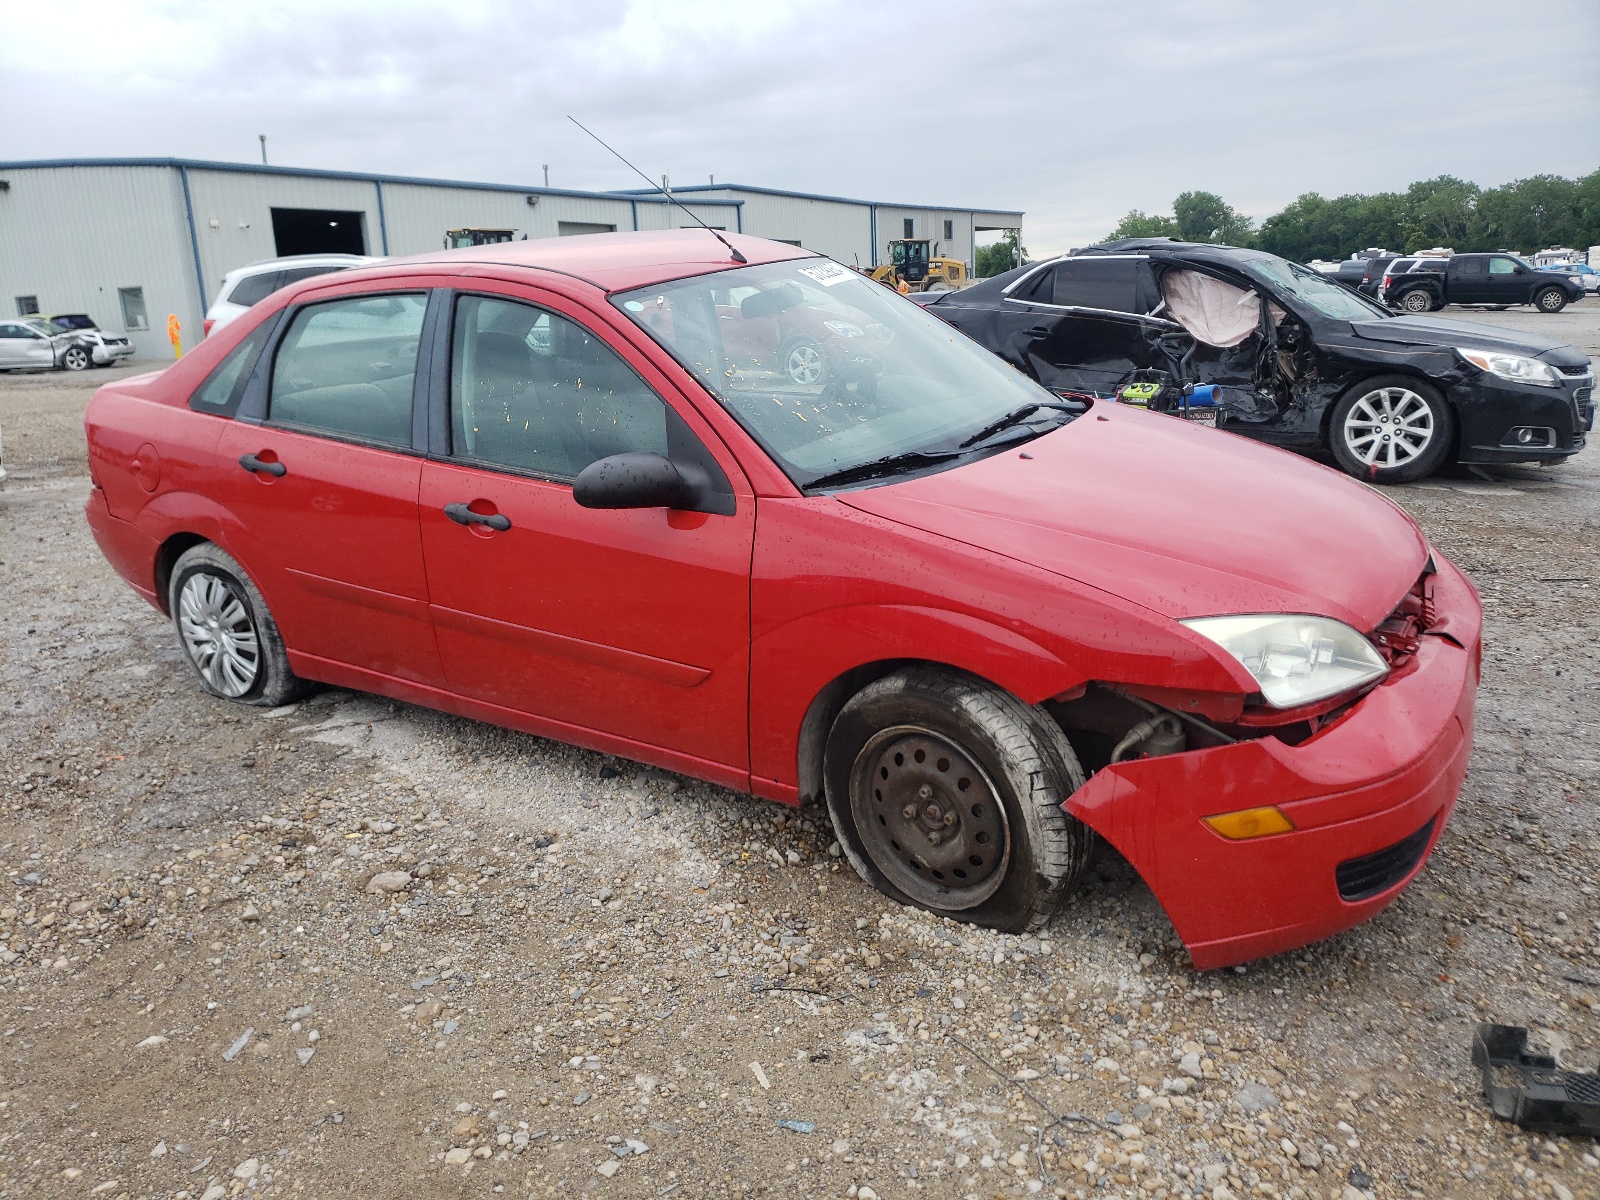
1015	417
879	467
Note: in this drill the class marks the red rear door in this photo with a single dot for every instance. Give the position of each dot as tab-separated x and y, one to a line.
630	624
325	490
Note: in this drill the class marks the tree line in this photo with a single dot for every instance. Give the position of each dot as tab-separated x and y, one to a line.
1522	216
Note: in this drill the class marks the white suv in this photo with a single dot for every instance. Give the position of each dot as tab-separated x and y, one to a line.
249	285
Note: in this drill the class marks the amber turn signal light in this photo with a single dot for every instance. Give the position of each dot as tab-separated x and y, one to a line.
1250	823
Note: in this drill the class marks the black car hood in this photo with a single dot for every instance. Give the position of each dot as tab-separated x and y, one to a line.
1441	331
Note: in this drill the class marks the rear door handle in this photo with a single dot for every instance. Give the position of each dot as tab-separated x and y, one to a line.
251	463
461	514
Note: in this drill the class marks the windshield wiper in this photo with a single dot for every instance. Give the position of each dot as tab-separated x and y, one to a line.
879	467
1015	417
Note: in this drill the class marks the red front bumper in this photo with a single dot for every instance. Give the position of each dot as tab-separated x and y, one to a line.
1370	781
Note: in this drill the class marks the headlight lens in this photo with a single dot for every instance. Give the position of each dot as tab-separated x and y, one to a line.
1295	659
844	328
1513	367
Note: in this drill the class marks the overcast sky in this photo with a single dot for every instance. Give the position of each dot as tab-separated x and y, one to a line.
1073	112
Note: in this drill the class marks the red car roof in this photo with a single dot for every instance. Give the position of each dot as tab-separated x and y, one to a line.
613	261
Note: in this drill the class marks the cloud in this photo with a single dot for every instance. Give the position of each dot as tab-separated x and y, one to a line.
1074	112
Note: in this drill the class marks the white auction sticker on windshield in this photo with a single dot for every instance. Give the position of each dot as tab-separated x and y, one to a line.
827	273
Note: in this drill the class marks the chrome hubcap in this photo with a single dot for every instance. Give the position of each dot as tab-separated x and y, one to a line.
1389	427
804	364
929	818
215	624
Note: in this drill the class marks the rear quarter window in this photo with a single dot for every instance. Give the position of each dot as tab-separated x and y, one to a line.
224	387
253	289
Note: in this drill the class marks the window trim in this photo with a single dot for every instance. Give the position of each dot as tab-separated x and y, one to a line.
683	443
255	405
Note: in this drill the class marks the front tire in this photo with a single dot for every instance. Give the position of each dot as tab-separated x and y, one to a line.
1391	429
76	358
804	362
946	792
1550	300
226	632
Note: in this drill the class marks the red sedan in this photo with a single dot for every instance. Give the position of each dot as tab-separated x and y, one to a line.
571	487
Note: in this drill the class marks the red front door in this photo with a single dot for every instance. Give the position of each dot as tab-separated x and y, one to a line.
630	624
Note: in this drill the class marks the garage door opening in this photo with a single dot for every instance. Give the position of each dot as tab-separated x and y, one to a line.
318	231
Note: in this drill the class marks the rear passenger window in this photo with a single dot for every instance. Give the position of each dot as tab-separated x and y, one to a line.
1108	283
346	368
224	387
252	289
532	390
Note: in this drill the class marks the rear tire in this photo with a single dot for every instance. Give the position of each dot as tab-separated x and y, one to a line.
982	776
1391	429
226	632
1550	300
1418	300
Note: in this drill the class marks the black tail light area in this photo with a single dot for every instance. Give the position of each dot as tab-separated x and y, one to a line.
1364	877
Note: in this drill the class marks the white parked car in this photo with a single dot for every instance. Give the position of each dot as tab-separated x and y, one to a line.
27	343
245	286
105	347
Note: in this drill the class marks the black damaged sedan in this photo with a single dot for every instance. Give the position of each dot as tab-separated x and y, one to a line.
1278	352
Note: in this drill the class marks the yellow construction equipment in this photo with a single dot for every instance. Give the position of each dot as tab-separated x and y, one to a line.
456	239
911	263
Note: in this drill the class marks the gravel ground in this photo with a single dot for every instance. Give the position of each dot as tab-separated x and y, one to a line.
353	946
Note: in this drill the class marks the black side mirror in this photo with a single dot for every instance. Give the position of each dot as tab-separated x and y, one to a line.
636	480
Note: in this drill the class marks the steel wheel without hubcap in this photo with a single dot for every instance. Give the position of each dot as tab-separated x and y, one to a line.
804	364
929	818
1389	427
218	633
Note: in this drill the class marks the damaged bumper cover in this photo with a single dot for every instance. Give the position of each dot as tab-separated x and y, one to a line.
1368	796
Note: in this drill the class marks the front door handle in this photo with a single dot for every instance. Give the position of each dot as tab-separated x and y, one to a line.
270	466
461	514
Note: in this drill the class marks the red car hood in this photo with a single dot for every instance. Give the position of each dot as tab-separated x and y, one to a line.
1185	521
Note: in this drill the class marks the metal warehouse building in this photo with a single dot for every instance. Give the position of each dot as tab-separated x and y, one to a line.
131	240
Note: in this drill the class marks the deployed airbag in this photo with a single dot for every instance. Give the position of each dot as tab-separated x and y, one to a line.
1215	312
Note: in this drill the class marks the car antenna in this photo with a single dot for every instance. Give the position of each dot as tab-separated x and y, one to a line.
737	257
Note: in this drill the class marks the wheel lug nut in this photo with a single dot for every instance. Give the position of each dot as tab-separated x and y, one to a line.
925	792
935	837
909	812
949	819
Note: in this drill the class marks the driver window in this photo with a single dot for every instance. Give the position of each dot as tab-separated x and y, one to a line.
534	391
1502	266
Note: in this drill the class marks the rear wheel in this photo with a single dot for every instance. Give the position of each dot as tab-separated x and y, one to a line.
946	793
1550	300
226	632
1418	300
1391	429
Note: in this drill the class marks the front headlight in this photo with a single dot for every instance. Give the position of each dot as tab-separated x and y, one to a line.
1513	367
1295	659
844	328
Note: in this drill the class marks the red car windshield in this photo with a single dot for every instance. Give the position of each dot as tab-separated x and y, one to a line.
827	369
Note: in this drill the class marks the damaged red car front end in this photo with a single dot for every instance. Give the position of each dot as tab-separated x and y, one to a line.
1368	795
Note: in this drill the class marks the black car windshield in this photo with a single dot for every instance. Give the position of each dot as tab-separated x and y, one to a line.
1315	292
830	371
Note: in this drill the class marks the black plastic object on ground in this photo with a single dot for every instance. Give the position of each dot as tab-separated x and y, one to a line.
1537	1095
